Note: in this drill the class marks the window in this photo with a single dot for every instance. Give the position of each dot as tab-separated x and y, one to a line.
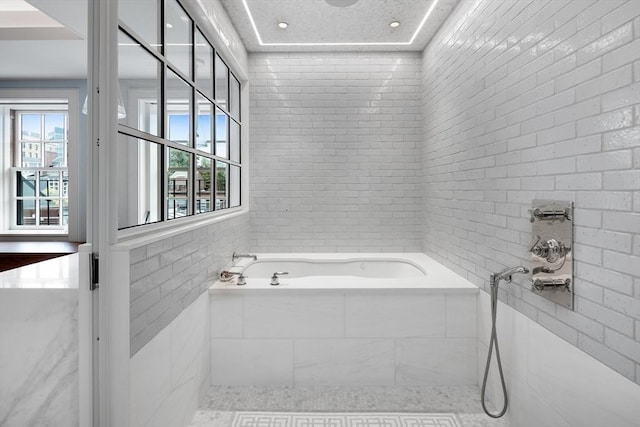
179	144
40	178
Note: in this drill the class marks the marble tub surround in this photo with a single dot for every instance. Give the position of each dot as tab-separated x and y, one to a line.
39	357
314	337
299	333
56	273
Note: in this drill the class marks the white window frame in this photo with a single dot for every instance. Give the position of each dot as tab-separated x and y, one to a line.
18	166
40	99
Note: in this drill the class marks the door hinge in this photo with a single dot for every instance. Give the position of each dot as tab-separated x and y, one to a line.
95	278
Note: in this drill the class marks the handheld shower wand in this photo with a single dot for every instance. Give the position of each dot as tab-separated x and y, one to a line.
494	281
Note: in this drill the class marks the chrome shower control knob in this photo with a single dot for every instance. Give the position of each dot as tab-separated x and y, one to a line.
551	250
554	251
539	285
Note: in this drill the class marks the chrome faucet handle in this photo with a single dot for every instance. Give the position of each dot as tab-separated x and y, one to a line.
274	278
241	277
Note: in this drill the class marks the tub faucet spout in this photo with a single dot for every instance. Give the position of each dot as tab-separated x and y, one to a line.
506	274
235	256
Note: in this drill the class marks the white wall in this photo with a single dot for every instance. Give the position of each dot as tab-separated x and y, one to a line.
549	381
169	272
169	376
532	100
335	152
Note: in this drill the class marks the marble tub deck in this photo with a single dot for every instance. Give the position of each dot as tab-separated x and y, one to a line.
221	403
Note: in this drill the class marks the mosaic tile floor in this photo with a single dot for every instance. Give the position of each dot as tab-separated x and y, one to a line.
223	404
336	419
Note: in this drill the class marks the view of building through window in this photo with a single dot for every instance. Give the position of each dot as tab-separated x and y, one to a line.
40	170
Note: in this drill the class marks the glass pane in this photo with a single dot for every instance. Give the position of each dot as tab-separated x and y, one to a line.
204	124
130	11
179	128
139	177
49	184
179	165
139	83
234	97
234	186
204	65
30	127
203	184
178	109
65	212
221	185
222	83
221	134
54	155
148	116
178	37
54	127
30	154
235	141
26	184
65	184
49	212
26	212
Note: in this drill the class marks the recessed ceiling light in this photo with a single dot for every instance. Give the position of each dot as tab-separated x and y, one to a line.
169	25
283	25
394	24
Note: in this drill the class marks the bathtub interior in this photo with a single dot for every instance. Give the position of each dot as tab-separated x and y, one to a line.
358	267
346	270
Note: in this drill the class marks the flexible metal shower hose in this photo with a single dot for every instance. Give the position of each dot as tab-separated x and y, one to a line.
493	341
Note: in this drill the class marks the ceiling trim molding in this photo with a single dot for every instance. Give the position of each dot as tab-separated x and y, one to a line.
408	43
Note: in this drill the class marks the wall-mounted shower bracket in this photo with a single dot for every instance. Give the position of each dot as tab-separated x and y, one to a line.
551	250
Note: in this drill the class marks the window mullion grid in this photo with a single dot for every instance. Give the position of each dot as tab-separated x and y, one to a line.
214	184
193	114
191	149
134	36
36	199
164	152
228	123
164	156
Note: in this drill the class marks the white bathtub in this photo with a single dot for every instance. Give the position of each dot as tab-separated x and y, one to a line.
325	324
383	268
347	271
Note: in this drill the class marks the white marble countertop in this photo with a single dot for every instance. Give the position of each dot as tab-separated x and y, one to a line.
56	273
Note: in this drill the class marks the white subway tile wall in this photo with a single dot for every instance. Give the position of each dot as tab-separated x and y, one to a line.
170	274
335	152
540	99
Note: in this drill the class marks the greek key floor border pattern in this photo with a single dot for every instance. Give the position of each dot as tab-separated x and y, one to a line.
322	419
